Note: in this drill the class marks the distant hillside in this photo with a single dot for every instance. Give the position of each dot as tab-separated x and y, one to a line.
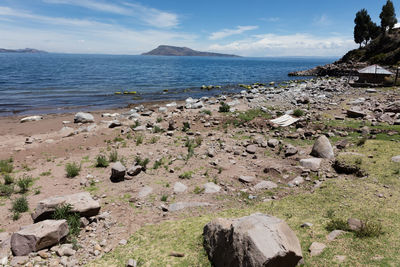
384	50
166	50
26	50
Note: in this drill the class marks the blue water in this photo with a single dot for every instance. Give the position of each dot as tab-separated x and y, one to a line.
51	83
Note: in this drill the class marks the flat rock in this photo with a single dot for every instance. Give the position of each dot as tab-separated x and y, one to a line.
316	248
247	179
81	203
82	117
354	224
114	124
184	205
334	234
322	148
255	240
290	150
396	159
211	188
38	236
273	143
311	163
265	185
297	181
251	149
145	191
179	188
353	113
31	118
134	170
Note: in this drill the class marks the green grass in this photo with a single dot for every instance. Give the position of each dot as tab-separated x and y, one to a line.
351	197
6	190
72	169
239	118
139	139
224	108
113	157
64	212
142	162
24	183
8	179
6	165
101	161
186	175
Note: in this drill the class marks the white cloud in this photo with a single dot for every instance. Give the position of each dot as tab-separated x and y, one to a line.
322	20
150	16
288	45
229	32
271	19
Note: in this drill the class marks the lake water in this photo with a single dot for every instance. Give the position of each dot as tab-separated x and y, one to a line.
55	83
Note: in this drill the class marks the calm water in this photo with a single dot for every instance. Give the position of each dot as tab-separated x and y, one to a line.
48	83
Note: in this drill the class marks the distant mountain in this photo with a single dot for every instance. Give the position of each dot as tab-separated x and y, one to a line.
26	50
166	50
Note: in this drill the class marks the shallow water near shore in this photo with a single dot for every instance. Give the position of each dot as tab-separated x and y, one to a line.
59	83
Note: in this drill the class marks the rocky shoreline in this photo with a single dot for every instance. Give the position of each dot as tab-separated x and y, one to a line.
178	157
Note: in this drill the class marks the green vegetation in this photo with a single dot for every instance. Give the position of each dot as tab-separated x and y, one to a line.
8	179
6	190
164	198
159	119
64	212
47	173
198	190
139	139
113	157
223	108
157	129
72	169
6	165
19	206
186	126
142	162
101	161
157	164
298	113
388	16
206	111
186	175
24	183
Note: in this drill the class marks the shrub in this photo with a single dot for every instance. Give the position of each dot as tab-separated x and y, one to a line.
164	198
64	212
157	164
113	156
139	140
223	108
16	216
101	161
159	119
186	126
206	111
24	183
154	139
20	205
6	190
6	165
8	179
198	190
369	229
72	169
298	113
142	162
186	175
157	129
337	224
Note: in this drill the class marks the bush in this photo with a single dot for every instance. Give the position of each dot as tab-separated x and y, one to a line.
24	183
223	108
369	229
157	129
64	212
72	169
337	224
186	126
113	156
142	162
159	119
206	111
6	190
101	161
186	175
164	198
8	179
6	165
139	140
198	190
157	164
20	205
298	113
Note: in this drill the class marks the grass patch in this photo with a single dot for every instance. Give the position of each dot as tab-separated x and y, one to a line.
298	113
6	166
6	190
72	169
139	139
113	157
186	175
8	179
224	108
142	162
101	161
24	183
64	212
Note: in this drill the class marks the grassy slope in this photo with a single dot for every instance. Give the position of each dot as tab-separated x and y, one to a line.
347	196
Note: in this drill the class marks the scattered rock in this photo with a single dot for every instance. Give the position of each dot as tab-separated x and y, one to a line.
131	263
145	191
251	149
183	205
322	148
334	234
247	179
316	248
82	117
114	124
255	240
134	170
311	163
396	159
290	150
38	236
211	188
354	224
273	143
306	225
31	118
353	113
265	185
179	188
117	172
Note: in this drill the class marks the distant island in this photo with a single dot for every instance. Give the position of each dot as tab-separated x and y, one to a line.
167	50
25	50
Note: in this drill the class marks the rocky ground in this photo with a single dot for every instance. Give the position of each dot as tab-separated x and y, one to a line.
162	162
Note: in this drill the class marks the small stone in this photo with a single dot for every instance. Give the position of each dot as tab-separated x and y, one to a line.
131	263
396	159
306	225
251	149
334	234
316	248
354	224
339	258
123	242
179	188
247	179
265	185
211	188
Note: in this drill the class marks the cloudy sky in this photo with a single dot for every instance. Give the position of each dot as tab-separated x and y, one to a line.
249	28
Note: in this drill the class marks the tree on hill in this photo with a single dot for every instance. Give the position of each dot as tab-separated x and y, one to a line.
388	16
365	29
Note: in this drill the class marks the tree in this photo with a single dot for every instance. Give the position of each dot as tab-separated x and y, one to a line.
364	30
388	16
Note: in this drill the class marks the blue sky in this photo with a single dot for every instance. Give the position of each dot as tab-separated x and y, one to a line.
248	28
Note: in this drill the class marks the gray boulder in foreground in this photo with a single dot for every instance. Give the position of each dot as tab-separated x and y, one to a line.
82	203
322	148
38	236
255	240
82	117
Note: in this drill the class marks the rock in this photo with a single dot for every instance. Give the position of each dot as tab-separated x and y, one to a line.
265	185
134	170
273	143
247	179
316	248
306	225
396	159
393	107
353	113
123	242
311	163
211	188
354	224
131	263
19	260
297	181
255	240
5	246
334	234
81	203
145	191
183	205
140	128
65	250
347	163
322	148
38	236
251	149
82	117
179	188
31	118
114	123
339	258
290	150
117	172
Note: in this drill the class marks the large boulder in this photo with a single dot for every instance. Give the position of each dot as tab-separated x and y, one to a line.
82	117
81	203
38	236
393	107
255	240
322	148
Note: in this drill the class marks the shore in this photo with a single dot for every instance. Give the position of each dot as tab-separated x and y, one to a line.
202	163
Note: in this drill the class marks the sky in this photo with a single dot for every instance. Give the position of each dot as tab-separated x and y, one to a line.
256	28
